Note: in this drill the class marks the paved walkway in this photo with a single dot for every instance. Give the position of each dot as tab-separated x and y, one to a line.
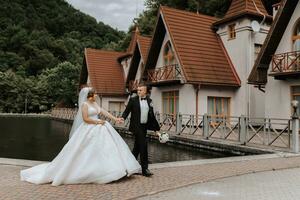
271	185
169	180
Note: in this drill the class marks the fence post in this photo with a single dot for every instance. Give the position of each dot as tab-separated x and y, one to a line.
191	124
295	134
205	126
178	123
243	131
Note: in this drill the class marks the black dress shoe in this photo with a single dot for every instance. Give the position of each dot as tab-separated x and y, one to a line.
147	173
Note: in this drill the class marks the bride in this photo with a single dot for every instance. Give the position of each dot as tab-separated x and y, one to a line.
95	153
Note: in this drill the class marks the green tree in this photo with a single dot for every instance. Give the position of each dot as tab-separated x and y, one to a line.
61	84
41	51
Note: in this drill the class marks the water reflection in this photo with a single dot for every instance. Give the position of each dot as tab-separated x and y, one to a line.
42	139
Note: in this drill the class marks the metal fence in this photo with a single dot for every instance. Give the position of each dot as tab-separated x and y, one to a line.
240	129
64	113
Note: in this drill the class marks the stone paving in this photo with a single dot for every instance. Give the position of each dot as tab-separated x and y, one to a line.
270	185
167	177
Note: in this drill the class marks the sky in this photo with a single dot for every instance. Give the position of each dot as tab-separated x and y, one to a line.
116	13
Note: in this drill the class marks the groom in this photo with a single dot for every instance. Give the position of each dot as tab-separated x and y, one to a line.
142	119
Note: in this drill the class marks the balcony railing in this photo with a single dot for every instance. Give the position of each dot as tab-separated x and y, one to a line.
164	74
286	63
133	85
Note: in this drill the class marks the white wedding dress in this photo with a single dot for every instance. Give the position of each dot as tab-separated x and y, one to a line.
94	154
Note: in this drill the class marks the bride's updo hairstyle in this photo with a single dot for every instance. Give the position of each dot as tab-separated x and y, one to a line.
91	93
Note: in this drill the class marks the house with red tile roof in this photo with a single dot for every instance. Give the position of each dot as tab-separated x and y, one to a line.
115	75
199	64
102	71
194	63
276	71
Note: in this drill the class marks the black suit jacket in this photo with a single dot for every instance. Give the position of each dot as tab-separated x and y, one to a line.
134	108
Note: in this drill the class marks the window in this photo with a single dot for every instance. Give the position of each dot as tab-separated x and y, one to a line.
231	31
169	58
218	106
116	106
296	37
295	91
170	102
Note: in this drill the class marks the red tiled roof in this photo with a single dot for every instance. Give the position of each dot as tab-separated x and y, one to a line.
259	72
134	35
242	7
144	44
200	51
105	72
140	51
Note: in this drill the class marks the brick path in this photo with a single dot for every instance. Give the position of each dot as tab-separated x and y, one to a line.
165	178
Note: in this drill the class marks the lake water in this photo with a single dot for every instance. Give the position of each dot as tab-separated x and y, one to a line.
42	139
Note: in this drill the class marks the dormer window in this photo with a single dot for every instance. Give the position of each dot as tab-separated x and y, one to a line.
296	37
231	31
169	58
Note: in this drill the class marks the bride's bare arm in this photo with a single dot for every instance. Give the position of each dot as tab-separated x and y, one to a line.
107	114
86	118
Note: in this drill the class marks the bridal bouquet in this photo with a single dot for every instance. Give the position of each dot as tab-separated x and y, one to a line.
163	137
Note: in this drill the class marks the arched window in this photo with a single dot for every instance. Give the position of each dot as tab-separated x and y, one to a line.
296	37
169	58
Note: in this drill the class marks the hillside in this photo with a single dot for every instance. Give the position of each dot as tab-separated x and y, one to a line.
42	42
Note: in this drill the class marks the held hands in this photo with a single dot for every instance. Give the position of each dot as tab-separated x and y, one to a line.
119	120
101	122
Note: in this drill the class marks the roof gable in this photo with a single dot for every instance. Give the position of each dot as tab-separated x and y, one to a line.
134	35
200	52
140	51
258	75
144	43
240	8
246	5
105	72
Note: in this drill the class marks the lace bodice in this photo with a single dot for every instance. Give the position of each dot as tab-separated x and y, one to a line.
93	111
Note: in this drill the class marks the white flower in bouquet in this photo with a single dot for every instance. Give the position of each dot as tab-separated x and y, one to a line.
163	137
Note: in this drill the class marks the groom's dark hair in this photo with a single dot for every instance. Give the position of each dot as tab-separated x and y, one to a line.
143	84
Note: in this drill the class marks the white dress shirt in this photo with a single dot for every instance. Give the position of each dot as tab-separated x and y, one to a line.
144	110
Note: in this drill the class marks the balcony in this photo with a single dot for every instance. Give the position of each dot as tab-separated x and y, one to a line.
286	65
164	75
133	85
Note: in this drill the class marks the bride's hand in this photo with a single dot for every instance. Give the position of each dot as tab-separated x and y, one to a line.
101	122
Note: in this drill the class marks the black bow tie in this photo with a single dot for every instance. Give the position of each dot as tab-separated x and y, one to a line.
143	99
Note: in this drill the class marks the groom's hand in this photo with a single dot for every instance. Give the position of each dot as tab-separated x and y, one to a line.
122	120
157	133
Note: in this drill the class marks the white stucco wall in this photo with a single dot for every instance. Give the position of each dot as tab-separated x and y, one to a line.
187	98
278	92
160	60
125	64
248	100
139	71
104	101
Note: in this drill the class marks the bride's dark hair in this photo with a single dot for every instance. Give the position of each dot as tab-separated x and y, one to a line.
91	93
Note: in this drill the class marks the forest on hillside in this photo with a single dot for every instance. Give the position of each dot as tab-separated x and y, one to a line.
41	52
